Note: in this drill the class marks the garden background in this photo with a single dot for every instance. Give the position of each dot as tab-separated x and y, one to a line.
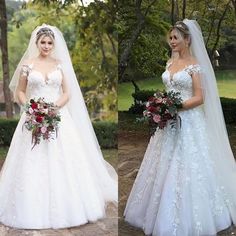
143	51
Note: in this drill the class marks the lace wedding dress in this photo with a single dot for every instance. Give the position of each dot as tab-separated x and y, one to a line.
176	191
53	185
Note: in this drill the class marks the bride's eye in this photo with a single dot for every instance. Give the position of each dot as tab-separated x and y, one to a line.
50	43
42	42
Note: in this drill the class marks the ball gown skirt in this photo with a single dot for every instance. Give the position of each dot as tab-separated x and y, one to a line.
176	191
52	185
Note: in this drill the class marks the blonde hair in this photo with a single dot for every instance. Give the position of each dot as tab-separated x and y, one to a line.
182	29
46	32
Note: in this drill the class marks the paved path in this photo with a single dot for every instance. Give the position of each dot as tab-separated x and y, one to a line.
104	227
132	145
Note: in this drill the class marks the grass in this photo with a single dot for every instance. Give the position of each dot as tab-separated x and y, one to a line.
226	81
3	152
110	155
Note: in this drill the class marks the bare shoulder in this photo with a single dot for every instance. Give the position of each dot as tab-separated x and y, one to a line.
56	61
193	61
170	60
29	62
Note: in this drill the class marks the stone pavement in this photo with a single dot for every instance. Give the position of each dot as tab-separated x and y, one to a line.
132	146
104	227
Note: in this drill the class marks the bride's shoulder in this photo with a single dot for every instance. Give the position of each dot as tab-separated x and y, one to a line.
56	61
26	67
193	66
169	62
193	61
28	62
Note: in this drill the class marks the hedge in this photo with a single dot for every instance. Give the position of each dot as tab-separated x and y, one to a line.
106	132
141	96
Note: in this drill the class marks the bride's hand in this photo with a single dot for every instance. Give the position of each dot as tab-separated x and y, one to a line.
56	107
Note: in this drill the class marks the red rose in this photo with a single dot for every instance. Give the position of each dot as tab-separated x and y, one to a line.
166	116
39	119
34	105
151	99
162	124
152	109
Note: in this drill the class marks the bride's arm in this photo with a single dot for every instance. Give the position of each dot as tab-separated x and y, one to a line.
64	98
197	98
21	89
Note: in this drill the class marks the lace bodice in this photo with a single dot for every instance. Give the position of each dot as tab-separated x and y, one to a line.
181	81
48	87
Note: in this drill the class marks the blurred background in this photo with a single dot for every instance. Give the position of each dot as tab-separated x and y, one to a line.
89	30
143	50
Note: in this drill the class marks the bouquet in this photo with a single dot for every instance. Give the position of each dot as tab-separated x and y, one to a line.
42	119
161	108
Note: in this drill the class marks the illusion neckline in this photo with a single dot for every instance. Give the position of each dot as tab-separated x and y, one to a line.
171	75
45	77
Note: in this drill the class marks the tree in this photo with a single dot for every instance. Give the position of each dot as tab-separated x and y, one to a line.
5	64
91	37
140	15
142	38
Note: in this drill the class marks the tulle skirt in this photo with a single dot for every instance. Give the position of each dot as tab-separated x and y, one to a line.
52	185
176	191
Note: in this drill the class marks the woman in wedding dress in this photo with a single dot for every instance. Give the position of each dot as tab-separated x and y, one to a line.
61	182
186	182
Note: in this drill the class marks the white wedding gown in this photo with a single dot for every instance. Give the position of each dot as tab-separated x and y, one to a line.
175	191
53	185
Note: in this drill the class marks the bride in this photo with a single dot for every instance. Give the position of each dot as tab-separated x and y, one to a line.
63	182
186	182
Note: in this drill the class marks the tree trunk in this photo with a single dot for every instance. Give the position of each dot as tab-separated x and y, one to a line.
184	10
5	65
112	43
123	60
173	12
218	29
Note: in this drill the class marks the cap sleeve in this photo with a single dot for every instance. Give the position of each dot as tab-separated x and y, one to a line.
168	63
193	69
25	70
59	67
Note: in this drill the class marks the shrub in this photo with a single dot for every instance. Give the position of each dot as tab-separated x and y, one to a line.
140	97
7	128
106	132
229	109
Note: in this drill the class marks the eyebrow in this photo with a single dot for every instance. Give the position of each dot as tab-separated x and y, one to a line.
43	41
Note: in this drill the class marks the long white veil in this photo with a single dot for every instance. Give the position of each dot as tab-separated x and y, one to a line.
219	145
104	172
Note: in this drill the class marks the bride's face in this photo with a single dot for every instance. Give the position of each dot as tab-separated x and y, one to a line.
45	45
176	41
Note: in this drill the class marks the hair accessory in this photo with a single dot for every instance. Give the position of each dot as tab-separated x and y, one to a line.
179	26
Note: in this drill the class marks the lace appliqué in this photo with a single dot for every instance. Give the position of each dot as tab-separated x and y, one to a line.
193	69
25	70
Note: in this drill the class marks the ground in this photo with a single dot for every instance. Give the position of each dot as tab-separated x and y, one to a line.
133	140
104	227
